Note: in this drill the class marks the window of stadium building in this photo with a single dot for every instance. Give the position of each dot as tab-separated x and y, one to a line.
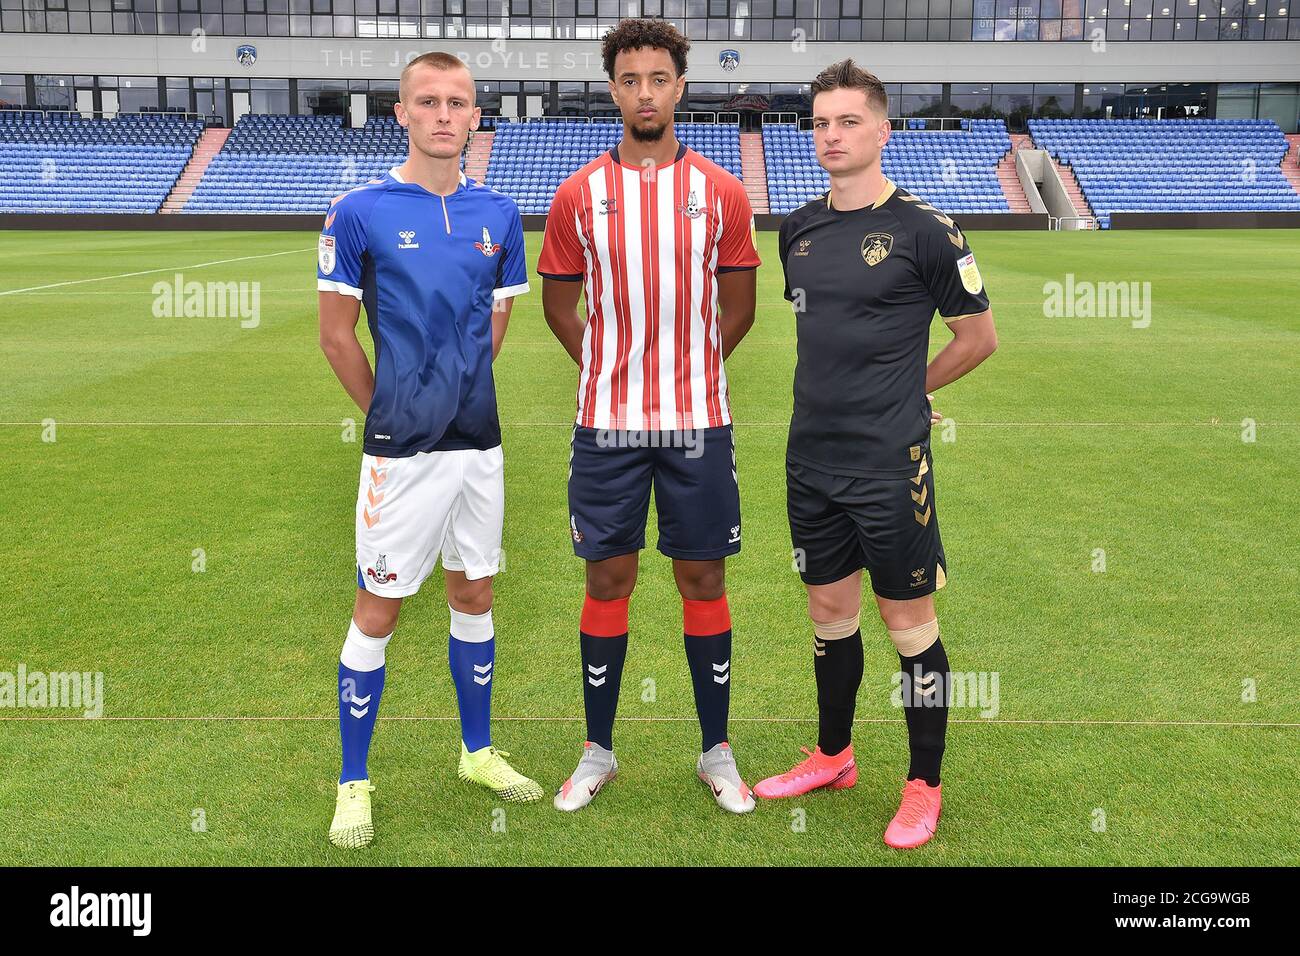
718	20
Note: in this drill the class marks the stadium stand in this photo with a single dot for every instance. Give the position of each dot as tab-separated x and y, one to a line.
955	170
295	164
63	163
1189	165
530	160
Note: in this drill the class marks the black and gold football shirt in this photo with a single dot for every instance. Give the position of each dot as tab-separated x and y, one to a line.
865	284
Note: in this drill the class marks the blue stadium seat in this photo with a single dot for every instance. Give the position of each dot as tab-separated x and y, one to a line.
954	170
1192	165
295	164
64	163
530	160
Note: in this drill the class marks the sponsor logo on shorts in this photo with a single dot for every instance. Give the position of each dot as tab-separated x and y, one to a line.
380	573
578	536
735	534
918	578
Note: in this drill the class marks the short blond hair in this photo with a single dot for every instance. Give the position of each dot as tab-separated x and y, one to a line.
436	60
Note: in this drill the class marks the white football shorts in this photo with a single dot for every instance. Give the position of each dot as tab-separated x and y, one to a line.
411	510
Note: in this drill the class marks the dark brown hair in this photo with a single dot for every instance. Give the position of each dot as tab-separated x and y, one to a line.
847	75
636	34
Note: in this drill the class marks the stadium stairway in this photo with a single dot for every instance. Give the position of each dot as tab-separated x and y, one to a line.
1009	179
205	149
479	155
1175	166
1291	161
1072	188
754	171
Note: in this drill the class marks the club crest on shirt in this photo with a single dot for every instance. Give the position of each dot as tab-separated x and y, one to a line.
487	246
692	208
380	573
875	247
325	254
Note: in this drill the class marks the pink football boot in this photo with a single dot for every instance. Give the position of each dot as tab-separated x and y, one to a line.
917	816
818	770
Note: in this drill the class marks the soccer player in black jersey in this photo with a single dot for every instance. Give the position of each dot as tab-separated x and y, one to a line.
866	267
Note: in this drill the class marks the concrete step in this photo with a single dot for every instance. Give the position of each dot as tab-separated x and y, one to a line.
753	167
208	146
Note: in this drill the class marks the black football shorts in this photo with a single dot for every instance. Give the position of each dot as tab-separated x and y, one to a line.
890	526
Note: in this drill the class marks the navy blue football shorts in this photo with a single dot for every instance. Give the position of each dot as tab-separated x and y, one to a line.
692	472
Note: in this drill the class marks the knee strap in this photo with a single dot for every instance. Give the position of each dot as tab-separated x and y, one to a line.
837	630
916	640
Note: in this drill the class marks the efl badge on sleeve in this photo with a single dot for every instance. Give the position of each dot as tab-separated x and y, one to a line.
970	274
326	254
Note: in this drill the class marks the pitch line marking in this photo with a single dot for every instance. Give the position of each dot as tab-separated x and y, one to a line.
569	424
692	719
128	275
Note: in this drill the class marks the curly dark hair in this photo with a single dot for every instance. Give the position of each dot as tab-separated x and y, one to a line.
634	34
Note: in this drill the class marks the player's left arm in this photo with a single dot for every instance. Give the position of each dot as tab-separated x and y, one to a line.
737	264
500	321
512	279
973	340
955	284
737	295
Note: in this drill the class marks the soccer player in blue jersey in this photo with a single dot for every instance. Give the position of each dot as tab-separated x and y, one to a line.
435	259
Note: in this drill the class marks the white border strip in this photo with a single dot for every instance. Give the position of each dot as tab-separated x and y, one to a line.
692	719
127	275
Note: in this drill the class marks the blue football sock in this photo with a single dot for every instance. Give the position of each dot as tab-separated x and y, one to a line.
361	683
471	651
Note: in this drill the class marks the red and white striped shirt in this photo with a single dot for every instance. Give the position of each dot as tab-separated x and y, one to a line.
648	243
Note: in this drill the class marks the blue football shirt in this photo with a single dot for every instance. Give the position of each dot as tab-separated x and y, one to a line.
427	269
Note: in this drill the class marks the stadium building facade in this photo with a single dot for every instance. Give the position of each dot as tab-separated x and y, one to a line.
1010	59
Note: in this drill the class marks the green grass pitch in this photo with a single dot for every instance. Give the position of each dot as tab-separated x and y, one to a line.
1147	714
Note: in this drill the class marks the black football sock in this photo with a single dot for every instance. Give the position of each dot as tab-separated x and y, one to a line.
837	665
925	705
604	648
707	627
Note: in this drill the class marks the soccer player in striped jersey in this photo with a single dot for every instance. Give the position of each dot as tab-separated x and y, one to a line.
661	240
436	260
